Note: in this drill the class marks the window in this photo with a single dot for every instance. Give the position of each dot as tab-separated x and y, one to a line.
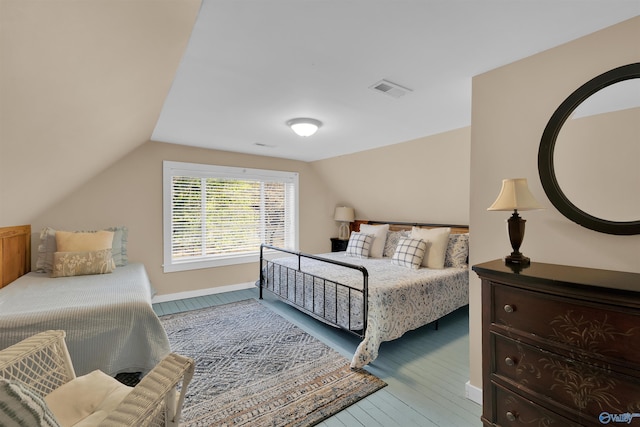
215	215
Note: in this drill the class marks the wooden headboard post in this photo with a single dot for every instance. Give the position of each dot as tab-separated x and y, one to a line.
15	253
397	226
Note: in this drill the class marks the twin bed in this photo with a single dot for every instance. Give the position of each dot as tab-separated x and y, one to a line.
371	297
108	318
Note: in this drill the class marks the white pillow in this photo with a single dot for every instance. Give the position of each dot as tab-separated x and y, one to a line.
359	245
437	240
379	233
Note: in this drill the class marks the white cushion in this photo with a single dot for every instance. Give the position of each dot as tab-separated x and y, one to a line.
359	245
409	253
437	240
379	233
86	400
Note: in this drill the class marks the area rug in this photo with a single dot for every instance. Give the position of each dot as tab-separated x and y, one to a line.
254	368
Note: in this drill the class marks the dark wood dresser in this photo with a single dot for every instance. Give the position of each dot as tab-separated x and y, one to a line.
560	346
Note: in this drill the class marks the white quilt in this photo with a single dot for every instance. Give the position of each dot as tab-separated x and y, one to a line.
400	299
108	318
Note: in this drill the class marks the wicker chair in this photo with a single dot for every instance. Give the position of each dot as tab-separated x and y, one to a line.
42	364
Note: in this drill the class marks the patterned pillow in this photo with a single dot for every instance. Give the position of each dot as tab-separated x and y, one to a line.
457	254
409	253
66	264
19	406
359	245
393	237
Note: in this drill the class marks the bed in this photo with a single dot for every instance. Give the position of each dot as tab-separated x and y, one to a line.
377	298
108	318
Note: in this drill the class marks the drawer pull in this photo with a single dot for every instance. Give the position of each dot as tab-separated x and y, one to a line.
511	416
509	308
509	361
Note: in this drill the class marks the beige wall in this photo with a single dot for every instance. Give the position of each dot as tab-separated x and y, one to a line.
130	193
424	180
510	109
400	182
81	85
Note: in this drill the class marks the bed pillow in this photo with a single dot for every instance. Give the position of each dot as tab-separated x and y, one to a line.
119	246
47	247
359	245
457	254
71	241
393	238
67	264
19	406
379	233
409	253
437	240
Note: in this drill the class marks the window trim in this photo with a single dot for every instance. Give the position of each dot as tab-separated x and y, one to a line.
171	168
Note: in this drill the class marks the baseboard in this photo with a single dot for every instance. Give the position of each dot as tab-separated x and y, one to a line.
473	393
201	292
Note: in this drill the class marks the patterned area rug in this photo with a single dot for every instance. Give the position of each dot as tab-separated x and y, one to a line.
254	368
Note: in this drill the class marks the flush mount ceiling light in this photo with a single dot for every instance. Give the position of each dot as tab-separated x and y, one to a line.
304	126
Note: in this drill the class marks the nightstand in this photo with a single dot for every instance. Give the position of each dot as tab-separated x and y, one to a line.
338	245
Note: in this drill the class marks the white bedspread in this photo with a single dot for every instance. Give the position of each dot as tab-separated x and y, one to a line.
400	299
108	318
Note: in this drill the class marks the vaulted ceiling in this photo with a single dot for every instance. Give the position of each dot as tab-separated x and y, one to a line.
250	66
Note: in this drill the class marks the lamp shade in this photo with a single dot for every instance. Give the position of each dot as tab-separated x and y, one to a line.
344	214
304	126
515	195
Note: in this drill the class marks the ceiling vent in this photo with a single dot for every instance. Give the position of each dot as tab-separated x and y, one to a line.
389	88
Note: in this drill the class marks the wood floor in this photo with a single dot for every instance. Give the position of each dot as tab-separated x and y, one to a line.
426	369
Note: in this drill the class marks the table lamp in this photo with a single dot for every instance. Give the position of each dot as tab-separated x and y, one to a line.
515	195
345	215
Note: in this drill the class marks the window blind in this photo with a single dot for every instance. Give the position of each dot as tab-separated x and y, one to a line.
220	213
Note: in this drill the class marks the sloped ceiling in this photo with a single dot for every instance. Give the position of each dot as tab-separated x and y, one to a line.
253	65
82	83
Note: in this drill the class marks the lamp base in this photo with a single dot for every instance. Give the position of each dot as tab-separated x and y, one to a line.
515	225
343	231
517	258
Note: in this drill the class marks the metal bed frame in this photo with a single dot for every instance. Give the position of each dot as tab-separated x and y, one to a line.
264	270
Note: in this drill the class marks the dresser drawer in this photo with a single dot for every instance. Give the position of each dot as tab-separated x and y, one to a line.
576	385
513	410
600	329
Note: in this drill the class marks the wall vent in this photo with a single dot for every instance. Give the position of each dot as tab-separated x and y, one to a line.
389	88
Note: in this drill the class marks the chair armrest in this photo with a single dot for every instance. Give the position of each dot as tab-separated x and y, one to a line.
41	362
154	393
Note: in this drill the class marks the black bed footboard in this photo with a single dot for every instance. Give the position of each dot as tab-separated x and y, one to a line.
335	303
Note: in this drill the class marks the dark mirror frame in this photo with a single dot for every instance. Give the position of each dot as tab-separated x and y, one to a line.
547	144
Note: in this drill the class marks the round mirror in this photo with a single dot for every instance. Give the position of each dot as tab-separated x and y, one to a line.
588	156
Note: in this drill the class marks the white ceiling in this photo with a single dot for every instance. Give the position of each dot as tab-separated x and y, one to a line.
252	65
